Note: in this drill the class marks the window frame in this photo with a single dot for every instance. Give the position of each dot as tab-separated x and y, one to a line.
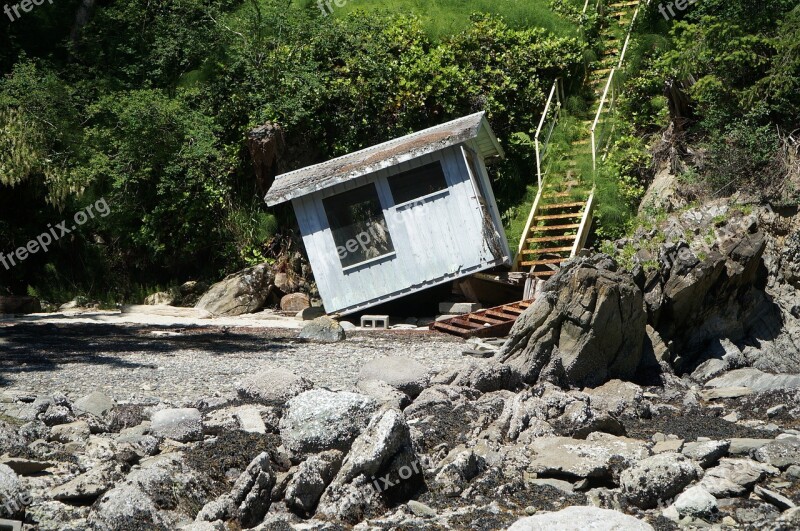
422	198
375	185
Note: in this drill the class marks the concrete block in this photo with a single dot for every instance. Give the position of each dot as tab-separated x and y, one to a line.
459	308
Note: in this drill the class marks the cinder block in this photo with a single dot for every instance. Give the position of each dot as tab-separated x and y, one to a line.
459	308
375	321
10	525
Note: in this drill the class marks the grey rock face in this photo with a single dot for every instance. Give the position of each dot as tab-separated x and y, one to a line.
180	424
127	507
734	477
319	420
756	380
658	478
706	453
597	457
310	480
323	329
351	502
95	403
457	470
72	432
240	293
14	497
770	496
89	486
384	393
249	500
696	502
483	377
442	414
273	386
621	399
385	436
588	326
781	453
580	519
404	374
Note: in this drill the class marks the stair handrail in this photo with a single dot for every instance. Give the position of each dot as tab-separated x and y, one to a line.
554	91
604	99
527	231
585	227
597	119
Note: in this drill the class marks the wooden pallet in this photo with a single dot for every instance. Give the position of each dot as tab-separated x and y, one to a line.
494	322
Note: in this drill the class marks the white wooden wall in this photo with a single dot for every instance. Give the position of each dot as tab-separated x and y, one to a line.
436	241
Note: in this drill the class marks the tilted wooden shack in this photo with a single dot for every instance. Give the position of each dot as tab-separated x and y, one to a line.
399	217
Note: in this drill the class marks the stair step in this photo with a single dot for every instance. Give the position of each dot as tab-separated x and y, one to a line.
552	239
544	262
562	205
559	216
549	250
548	273
552	228
561	185
556	195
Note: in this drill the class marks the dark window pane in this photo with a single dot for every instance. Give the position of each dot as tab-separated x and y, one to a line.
416	183
358	226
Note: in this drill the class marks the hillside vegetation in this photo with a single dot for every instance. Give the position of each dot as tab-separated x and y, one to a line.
148	105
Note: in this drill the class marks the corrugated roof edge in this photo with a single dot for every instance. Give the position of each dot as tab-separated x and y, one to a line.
317	177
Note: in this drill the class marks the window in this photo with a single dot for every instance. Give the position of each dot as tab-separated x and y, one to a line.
358	226
418	182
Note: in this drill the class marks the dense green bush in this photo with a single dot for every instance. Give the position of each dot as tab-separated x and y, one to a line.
148	106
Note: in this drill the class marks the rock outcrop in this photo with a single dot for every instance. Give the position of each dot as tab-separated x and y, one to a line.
586	327
240	293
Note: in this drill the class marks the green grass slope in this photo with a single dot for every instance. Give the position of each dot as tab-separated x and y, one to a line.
446	17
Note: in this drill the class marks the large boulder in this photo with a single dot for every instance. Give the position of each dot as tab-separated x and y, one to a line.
580	519
14	497
658	478
127	507
385	436
250	498
95	403
273	386
323	329
240	293
586	327
734	477
756	380
319	420
405	374
19	305
705	282
295	302
599	456
310	480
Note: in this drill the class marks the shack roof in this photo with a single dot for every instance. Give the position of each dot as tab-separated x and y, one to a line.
353	165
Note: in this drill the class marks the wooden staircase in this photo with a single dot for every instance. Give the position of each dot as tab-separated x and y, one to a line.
558	230
561	217
494	322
